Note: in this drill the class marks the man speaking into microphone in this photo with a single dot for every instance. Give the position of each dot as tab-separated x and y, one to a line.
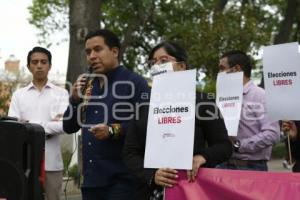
102	103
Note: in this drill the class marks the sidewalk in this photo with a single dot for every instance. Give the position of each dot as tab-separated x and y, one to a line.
72	192
71	197
276	165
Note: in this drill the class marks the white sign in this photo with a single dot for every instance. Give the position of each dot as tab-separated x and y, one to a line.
281	66
229	99
171	121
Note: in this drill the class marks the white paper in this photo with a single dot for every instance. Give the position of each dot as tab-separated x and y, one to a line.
229	99
281	66
170	143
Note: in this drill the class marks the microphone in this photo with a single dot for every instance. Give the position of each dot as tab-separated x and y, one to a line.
87	74
89	70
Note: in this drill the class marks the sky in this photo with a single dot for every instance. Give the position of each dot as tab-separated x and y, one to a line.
18	37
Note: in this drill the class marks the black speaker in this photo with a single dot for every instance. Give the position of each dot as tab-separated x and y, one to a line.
21	153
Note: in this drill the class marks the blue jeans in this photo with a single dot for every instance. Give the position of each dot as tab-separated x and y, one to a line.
122	189
252	165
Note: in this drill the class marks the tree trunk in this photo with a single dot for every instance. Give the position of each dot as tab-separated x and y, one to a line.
84	16
143	17
286	25
220	5
296	36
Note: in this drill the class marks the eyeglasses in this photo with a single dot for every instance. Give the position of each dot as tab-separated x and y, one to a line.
227	69
161	60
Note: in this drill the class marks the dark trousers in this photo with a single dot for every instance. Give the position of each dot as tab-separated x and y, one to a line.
121	189
260	165
296	167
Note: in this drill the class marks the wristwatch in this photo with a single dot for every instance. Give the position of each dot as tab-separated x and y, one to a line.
111	132
236	145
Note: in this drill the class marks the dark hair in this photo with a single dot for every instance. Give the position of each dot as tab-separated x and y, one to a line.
39	50
173	49
110	38
237	57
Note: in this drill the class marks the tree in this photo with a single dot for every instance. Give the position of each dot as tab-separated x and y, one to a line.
4	98
286	25
83	17
204	28
8	83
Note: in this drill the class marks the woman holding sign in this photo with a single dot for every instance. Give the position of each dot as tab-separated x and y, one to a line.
211	143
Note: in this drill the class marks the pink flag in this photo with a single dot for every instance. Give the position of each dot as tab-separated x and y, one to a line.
220	184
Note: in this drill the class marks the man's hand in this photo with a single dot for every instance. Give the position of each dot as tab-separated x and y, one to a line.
58	117
232	139
78	87
100	131
165	177
289	127
23	120
198	161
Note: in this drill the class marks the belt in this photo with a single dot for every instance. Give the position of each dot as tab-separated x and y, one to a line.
245	162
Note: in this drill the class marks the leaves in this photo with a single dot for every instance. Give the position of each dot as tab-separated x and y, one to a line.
5	95
204	28
48	16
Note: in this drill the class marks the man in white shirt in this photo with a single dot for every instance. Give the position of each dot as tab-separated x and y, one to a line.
43	103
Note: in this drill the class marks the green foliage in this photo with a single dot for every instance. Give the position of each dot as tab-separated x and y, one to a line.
196	25
210	86
5	96
48	16
199	26
66	156
279	151
74	173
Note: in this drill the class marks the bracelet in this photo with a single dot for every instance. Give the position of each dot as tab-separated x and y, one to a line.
116	130
111	132
236	146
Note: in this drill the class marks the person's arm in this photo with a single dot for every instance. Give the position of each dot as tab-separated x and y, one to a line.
70	122
297	123
51	128
295	144
133	154
14	110
215	134
140	98
268	135
292	128
55	126
70	117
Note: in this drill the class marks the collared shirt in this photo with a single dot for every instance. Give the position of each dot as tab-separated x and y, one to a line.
114	102
256	132
43	107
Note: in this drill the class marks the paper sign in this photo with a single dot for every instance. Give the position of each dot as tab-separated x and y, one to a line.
281	66
171	121
229	99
